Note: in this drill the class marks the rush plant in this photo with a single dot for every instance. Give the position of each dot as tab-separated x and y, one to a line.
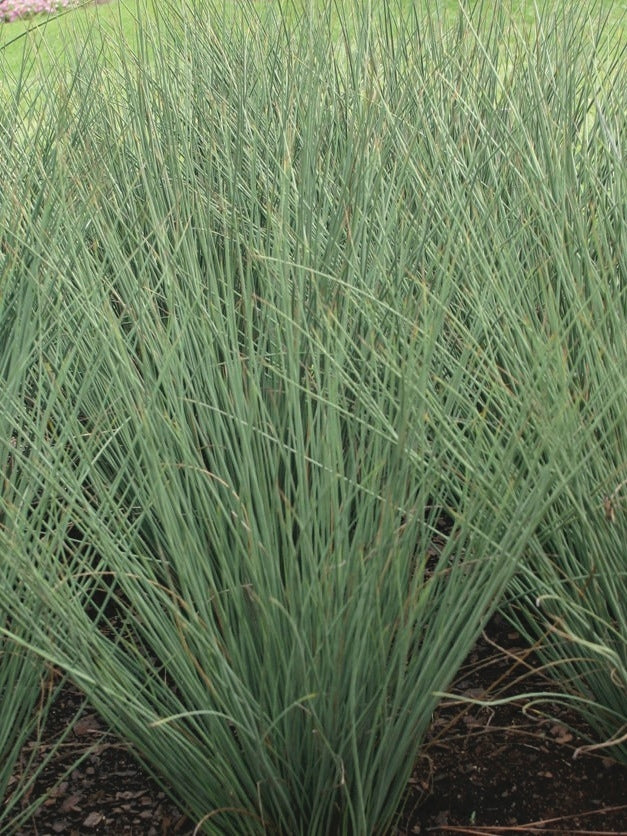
285	402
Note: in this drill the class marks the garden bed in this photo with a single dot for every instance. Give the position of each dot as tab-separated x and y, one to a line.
484	769
311	350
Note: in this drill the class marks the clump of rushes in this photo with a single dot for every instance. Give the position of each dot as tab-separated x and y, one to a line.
570	593
28	689
28	685
21	678
287	385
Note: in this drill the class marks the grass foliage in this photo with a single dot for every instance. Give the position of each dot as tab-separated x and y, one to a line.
305	340
27	686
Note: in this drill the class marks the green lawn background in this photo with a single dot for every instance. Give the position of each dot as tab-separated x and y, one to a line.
40	41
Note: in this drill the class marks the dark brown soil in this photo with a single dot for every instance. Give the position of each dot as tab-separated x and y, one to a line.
508	769
497	770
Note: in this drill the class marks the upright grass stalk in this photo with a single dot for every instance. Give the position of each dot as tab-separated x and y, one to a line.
302	324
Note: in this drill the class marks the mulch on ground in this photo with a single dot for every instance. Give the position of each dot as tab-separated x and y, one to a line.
508	769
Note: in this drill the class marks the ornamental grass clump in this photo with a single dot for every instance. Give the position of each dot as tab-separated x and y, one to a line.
22	709
278	373
28	686
569	595
28	689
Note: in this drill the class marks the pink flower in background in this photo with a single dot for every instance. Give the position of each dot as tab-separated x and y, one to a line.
13	9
